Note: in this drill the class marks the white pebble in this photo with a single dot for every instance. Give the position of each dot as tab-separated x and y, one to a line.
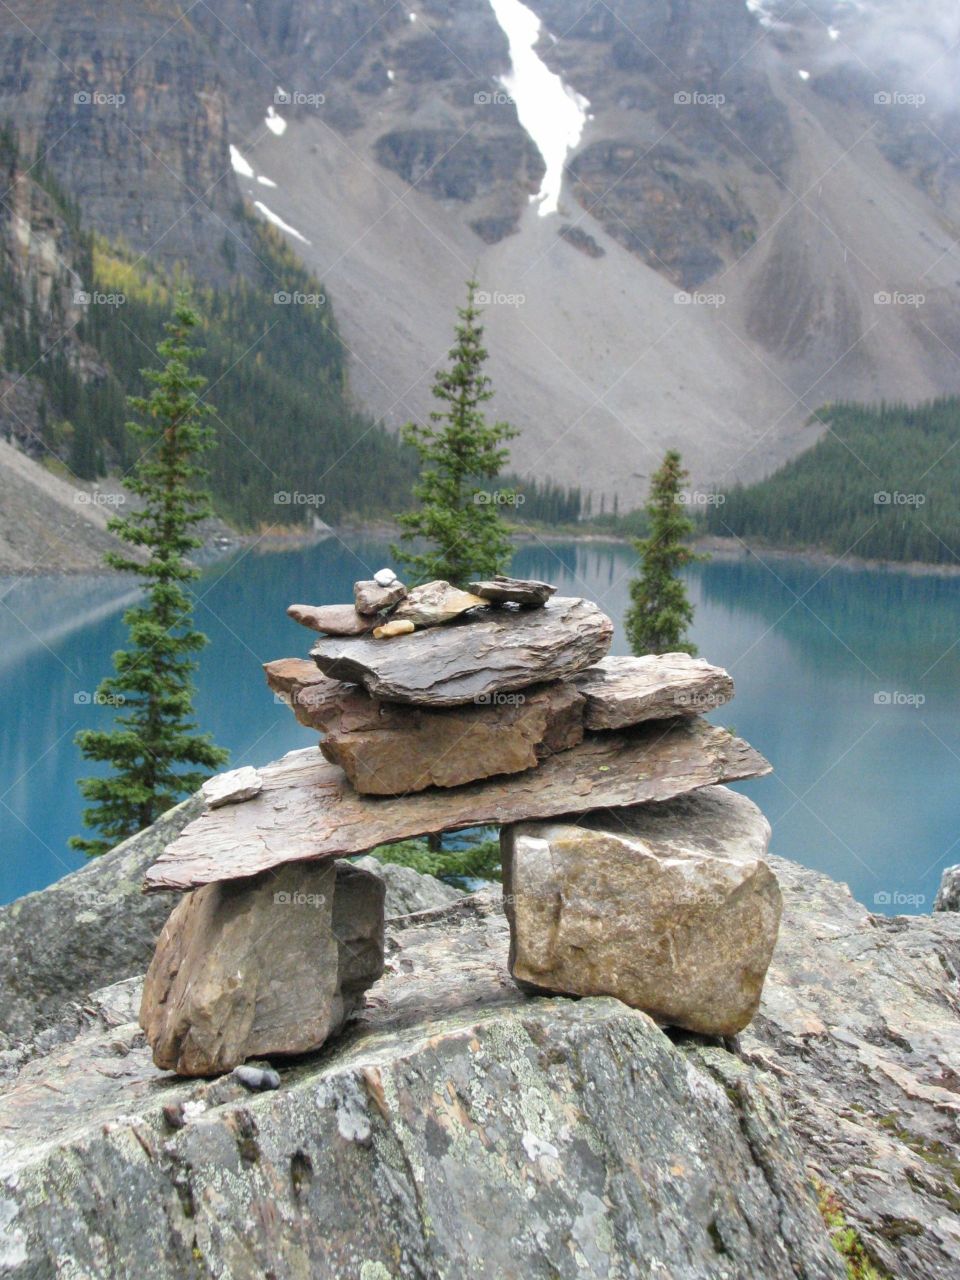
384	577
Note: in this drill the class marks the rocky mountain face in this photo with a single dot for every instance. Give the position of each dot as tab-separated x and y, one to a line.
577	1138
756	219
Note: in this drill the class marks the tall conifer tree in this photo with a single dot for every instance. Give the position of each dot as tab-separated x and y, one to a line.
155	754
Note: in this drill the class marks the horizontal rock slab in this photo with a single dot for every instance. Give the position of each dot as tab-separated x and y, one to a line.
523	591
262	967
389	748
308	809
622	691
672	908
332	619
448	666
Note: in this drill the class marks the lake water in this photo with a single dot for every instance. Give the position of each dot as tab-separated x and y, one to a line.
846	681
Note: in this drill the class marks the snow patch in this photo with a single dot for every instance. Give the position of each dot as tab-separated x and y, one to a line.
240	164
265	182
550	111
276	124
279	222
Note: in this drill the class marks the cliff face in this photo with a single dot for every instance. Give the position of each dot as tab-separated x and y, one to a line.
741	197
459	1123
125	106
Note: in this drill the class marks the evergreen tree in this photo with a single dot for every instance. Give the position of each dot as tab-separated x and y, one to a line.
154	751
660	612
459	450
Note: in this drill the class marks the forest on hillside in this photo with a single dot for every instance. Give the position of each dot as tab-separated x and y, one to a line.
880	483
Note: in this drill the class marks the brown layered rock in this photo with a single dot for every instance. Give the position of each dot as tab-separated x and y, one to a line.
388	748
308	809
259	967
527	592
670	907
451	665
622	691
393	749
332	619
436	603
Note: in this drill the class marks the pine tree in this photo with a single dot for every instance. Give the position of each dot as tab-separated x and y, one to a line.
459	450
660	612
154	750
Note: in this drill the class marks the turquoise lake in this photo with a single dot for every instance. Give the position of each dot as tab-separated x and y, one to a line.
846	680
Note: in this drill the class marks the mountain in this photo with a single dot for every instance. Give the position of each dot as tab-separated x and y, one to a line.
758	217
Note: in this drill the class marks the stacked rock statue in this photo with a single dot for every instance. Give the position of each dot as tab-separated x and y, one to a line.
629	869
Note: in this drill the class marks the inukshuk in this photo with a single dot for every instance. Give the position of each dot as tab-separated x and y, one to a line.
628	869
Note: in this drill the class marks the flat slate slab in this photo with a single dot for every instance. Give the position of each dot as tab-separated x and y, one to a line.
468	661
307	808
622	691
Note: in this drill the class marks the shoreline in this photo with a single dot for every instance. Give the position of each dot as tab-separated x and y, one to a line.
723	549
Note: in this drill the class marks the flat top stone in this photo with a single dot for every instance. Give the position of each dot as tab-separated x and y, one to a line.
307	808
622	691
524	591
445	666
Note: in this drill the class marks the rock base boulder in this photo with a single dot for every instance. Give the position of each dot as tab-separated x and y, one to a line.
670	907
263	966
